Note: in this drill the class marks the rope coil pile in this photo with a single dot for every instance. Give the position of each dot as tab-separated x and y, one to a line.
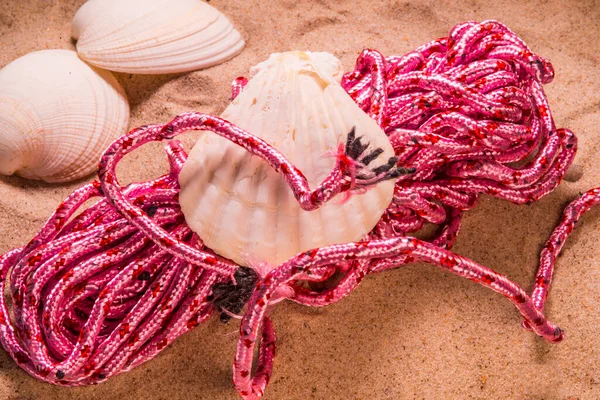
97	293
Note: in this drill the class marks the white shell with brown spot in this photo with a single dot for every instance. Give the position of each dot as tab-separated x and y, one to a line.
240	206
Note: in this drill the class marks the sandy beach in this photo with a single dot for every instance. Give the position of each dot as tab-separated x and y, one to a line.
411	333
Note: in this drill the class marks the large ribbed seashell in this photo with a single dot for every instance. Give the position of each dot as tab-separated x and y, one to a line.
242	208
57	116
154	36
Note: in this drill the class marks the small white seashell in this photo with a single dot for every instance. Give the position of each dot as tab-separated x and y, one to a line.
57	116
154	36
244	210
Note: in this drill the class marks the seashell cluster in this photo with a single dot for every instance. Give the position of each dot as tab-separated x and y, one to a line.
154	36
57	115
243	209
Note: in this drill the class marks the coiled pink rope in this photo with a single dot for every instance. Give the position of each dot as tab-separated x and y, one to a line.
100	292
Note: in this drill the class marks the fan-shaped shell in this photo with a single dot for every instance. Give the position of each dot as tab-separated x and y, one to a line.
57	116
154	36
243	209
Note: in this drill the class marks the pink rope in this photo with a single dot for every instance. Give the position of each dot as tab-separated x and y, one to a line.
100	292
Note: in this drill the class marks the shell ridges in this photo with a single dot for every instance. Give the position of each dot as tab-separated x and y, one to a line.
57	115
243	209
154	36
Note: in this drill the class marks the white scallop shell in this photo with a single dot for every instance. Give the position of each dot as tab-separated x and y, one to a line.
244	210
57	116
154	36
